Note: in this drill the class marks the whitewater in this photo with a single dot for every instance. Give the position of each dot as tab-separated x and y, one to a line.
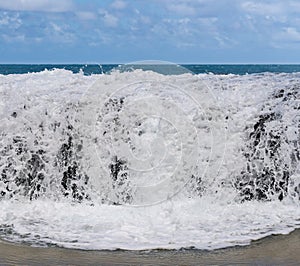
141	160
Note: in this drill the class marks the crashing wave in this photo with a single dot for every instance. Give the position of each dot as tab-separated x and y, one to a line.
272	149
47	143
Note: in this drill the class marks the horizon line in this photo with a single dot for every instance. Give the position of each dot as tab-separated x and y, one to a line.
143	62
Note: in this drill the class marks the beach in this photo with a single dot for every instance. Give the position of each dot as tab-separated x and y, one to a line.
273	250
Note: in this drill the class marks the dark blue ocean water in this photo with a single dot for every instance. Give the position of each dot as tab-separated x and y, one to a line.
165	69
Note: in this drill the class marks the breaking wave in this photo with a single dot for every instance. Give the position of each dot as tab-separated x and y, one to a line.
141	160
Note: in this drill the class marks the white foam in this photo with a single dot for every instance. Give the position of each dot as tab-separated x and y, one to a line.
175	224
200	122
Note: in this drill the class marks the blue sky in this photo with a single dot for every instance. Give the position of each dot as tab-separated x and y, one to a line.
121	31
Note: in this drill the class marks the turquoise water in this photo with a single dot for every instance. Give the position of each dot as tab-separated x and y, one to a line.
195	68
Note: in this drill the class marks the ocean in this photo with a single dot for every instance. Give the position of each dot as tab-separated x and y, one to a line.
148	156
89	69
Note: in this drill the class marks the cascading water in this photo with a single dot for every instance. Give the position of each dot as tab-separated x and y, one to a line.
140	160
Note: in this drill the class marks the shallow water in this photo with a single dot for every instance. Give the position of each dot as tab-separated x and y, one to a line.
273	250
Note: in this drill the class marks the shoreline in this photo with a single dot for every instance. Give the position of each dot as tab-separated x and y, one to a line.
274	249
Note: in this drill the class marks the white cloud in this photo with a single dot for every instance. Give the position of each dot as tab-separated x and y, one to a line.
273	22
292	34
286	38
118	4
288	34
109	19
37	5
145	20
271	8
223	40
182	9
208	21
10	21
295	5
60	33
13	38
4	20
86	15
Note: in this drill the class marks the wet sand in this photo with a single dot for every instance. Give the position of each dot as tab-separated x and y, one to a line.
273	250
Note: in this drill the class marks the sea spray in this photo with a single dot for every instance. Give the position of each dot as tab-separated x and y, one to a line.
209	160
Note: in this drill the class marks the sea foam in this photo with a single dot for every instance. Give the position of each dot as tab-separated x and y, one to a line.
141	160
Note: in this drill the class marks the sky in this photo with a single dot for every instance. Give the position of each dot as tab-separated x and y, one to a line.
124	31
